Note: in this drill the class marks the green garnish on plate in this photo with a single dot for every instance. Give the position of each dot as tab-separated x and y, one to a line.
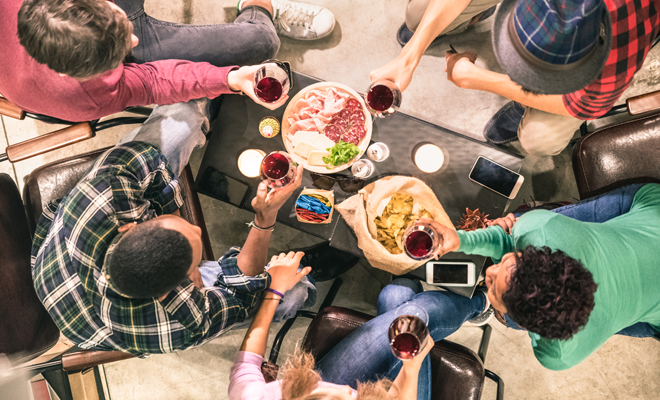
341	153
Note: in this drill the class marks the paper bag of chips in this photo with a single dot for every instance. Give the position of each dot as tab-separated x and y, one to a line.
315	206
381	211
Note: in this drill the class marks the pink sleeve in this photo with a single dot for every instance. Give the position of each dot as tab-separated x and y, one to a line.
158	82
245	380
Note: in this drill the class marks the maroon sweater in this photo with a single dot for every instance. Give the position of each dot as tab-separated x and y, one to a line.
36	88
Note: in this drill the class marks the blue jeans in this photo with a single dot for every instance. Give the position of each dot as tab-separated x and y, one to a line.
250	39
365	355
600	209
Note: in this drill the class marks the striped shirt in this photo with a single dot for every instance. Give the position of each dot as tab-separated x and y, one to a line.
129	183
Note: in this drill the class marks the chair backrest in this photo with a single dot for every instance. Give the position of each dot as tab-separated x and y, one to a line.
457	372
618	155
55	180
26	329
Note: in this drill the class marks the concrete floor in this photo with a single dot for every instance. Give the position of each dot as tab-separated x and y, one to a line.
624	368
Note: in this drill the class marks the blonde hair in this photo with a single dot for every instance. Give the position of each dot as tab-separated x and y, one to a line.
300	379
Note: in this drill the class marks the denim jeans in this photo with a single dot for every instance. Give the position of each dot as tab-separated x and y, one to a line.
365	355
250	39
600	209
175	129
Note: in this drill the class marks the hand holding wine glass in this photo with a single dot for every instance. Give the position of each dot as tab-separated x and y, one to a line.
400	71
451	241
267	203
243	79
415	363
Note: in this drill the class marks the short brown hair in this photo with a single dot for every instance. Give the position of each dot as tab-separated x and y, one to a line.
78	38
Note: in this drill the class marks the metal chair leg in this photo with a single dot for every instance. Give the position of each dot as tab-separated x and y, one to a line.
500	383
485	340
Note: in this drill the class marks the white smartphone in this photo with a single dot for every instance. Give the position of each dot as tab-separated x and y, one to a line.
450	273
496	177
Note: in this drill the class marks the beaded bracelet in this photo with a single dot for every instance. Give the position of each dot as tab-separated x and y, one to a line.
254	225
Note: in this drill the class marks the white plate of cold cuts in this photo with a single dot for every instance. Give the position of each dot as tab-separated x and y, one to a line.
318	117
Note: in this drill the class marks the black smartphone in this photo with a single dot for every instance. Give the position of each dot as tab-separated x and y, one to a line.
223	187
496	177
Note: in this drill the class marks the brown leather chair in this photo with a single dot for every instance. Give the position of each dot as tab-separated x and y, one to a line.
27	330
621	153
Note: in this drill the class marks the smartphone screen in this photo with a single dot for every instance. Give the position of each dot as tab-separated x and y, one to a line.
494	176
450	273
223	187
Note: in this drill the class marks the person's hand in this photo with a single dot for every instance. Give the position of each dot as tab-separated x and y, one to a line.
196	278
415	363
460	68
505	222
242	80
450	240
398	71
284	273
267	203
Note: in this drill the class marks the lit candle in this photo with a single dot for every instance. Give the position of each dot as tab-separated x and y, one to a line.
429	158
249	162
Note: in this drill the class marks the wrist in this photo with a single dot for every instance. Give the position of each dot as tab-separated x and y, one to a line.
263	220
233	81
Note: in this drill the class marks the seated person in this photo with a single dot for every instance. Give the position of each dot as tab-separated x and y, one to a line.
343	366
67	58
573	276
555	82
117	267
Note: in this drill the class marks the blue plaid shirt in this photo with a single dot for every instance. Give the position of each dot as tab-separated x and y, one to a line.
129	183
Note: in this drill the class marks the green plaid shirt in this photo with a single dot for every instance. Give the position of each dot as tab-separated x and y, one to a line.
129	183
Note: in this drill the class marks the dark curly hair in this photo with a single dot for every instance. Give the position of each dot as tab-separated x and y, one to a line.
550	293
149	261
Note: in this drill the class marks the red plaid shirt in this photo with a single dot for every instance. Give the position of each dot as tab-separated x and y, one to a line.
635	24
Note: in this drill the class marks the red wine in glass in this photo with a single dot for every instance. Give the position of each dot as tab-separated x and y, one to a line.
277	168
271	82
419	244
421	240
383	98
408	334
269	89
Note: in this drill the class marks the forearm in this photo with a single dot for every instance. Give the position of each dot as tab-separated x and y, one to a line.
502	85
253	256
406	382
438	16
172	81
256	337
490	242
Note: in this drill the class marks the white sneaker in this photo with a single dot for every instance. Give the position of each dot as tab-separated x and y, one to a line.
487	314
302	21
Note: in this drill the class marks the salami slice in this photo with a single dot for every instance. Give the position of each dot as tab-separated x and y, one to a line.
356	117
359	131
334	132
344	114
350	137
353	104
337	120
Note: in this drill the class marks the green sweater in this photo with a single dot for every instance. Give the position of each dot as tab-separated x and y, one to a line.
623	254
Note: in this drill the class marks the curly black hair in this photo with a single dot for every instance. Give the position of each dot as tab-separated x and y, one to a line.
550	293
149	261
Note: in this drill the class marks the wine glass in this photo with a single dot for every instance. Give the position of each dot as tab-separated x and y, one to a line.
408	333
421	240
383	98
277	169
271	82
